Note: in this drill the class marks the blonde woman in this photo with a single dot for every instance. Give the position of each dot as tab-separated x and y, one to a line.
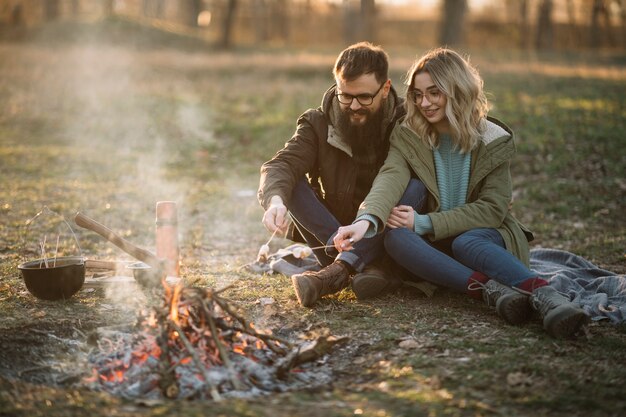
464	236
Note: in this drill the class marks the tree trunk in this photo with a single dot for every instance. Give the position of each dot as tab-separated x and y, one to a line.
545	29
146	8
189	11
350	20
17	15
572	26
453	22
51	9
75	4
229	20
524	27
107	8
153	8
623	21
599	16
368	20
260	21
517	17
280	20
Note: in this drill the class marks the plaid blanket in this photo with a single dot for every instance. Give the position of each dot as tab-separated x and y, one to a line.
601	293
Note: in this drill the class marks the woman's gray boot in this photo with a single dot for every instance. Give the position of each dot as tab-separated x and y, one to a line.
561	317
511	305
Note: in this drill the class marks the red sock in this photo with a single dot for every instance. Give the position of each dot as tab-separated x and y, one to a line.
476	291
532	284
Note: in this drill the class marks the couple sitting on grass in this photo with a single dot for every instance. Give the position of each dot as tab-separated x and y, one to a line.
420	188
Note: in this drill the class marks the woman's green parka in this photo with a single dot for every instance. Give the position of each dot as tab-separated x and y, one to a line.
489	190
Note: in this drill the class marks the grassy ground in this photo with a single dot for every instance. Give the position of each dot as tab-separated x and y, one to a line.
109	127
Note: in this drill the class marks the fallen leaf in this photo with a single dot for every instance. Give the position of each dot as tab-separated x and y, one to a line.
518	379
409	344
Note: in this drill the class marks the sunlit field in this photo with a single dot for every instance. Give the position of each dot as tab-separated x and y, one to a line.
108	127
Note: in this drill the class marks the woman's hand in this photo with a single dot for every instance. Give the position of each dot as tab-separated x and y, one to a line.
348	235
401	216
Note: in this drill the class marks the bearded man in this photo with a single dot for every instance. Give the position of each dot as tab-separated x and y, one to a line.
326	169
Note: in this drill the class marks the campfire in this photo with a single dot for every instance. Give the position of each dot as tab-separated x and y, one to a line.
197	345
192	343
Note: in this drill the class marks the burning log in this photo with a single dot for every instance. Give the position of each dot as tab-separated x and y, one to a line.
197	345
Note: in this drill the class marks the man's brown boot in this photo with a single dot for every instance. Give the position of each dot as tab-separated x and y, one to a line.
310	286
370	283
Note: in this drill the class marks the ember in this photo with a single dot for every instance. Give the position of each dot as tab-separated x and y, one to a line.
196	345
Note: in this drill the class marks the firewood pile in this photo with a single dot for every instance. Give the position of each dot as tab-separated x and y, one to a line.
197	345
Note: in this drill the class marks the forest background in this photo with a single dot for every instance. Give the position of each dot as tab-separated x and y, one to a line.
539	24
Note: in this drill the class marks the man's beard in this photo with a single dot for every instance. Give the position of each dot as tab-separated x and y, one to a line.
363	137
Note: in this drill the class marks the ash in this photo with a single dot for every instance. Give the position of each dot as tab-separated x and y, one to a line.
198	346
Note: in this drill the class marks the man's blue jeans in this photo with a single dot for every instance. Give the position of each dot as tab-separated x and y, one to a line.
451	266
318	226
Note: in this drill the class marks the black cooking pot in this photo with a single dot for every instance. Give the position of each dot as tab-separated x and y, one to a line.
60	280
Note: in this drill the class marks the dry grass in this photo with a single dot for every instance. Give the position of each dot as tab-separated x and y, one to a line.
109	129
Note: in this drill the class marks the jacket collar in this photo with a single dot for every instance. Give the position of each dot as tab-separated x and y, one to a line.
496	147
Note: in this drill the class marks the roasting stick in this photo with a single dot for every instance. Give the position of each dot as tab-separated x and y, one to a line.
272	237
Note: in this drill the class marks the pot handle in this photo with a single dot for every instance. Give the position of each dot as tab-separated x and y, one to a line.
131	249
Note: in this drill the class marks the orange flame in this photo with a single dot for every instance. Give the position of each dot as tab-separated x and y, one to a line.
174	303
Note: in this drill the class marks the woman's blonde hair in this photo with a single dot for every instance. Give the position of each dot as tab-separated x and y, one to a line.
466	106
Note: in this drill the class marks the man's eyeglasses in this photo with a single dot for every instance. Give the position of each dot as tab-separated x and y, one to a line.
363	99
433	96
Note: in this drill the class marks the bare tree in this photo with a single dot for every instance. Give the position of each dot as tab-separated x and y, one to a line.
228	23
621	4
572	24
523	24
75	7
280	19
368	20
51	9
350	23
453	22
597	34
544	37
17	15
260	20
189	11
153	8
107	8
359	22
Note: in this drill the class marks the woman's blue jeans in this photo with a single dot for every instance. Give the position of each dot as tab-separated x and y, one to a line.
481	250
318	226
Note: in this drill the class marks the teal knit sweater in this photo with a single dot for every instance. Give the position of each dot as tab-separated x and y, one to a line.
453	169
